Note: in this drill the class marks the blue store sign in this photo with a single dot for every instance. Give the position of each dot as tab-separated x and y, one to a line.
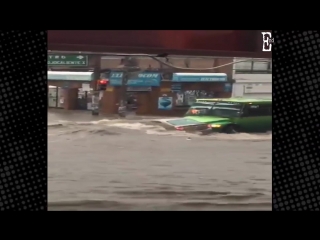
227	87
142	80
165	103
199	77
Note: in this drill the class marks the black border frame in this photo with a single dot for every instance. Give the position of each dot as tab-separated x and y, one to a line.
23	116
296	132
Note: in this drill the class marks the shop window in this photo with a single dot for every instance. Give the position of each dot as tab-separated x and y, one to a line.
258	110
261	66
247	67
53	96
188	97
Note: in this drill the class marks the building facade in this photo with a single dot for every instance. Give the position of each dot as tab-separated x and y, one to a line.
252	79
159	89
70	90
151	89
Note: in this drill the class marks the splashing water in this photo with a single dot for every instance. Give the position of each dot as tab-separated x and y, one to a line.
154	129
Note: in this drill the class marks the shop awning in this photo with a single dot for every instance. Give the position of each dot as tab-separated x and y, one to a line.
199	77
70	76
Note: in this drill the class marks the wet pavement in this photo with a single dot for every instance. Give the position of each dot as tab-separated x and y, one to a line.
105	163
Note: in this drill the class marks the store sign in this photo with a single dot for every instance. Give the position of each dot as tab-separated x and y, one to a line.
165	103
227	87
139	89
142	80
176	87
67	60
199	77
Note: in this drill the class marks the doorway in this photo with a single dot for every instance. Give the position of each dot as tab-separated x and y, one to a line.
132	104
84	100
54	96
137	99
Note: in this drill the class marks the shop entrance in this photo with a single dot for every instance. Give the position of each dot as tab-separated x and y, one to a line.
136	99
84	100
54	97
132	103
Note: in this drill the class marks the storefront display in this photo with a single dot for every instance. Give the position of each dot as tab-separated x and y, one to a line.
188	97
54	97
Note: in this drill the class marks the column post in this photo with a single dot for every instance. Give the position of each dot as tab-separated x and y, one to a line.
95	62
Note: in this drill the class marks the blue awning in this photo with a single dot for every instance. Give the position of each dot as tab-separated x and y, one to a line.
199	77
146	79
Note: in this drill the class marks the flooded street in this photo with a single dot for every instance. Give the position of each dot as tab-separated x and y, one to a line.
112	164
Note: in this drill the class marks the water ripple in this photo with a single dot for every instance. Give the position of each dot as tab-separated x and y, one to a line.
127	165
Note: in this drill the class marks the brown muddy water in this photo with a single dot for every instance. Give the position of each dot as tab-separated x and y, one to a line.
96	163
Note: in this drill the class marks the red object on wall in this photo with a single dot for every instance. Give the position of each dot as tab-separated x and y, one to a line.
104	81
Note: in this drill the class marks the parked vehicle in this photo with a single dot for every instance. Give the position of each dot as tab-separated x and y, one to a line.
230	115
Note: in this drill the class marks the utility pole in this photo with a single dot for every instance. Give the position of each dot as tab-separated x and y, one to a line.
95	101
130	68
122	109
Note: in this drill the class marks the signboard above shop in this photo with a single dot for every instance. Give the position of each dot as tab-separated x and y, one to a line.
199	77
139	89
176	87
142	80
75	60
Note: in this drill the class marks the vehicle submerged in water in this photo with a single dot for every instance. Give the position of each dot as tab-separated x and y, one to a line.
229	115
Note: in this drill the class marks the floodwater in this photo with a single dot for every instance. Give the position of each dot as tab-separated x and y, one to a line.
97	163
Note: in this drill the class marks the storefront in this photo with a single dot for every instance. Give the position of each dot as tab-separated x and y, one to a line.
190	86
70	90
147	93
166	97
139	88
184	88
55	97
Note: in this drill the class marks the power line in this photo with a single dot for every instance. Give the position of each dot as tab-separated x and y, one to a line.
157	58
